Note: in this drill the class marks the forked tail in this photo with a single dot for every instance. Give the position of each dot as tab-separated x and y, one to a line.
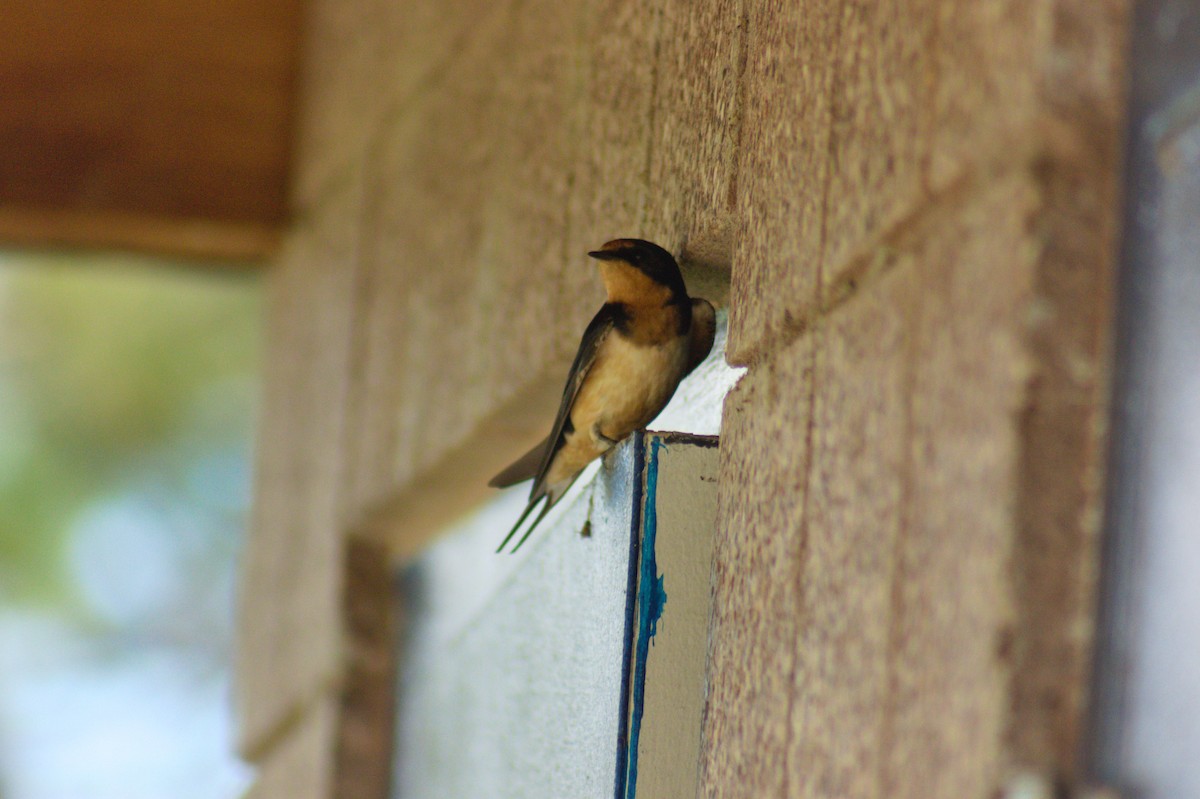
533	503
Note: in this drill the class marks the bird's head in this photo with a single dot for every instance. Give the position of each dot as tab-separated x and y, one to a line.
637	267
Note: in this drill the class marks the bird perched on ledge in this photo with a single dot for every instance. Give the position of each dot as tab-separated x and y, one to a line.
645	339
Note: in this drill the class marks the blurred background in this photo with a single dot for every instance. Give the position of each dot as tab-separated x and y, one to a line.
128	383
128	392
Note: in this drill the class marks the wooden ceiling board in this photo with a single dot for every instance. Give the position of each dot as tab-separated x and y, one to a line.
124	122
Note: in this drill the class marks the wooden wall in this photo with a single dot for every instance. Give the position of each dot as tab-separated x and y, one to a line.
913	203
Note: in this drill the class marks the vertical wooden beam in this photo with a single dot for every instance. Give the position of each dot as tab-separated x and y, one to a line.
362	765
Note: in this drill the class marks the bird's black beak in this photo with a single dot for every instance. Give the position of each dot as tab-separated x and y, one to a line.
605	255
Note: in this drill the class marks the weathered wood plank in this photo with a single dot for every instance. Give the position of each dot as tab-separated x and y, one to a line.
133	122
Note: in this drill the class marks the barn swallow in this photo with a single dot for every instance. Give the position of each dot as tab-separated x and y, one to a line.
645	339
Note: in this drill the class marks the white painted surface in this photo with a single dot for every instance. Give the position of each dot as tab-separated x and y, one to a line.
511	685
669	740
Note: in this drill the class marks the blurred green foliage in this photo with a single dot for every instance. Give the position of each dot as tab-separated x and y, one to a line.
104	367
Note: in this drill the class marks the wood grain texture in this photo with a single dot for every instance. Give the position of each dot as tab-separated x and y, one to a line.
951	666
290	623
475	173
916	200
235	244
759	551
617	79
854	115
371	615
863	618
881	123
783	166
147	109
853	521
695	119
536	143
987	60
1064	425
365	63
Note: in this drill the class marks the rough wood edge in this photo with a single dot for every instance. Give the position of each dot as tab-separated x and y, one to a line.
1063	425
227	241
366	722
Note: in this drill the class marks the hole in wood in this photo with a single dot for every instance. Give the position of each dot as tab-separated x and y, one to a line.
706	260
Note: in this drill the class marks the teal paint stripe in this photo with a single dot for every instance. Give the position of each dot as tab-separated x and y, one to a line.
652	598
637	489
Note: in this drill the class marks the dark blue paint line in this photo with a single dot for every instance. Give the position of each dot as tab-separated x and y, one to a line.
635	502
652	598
